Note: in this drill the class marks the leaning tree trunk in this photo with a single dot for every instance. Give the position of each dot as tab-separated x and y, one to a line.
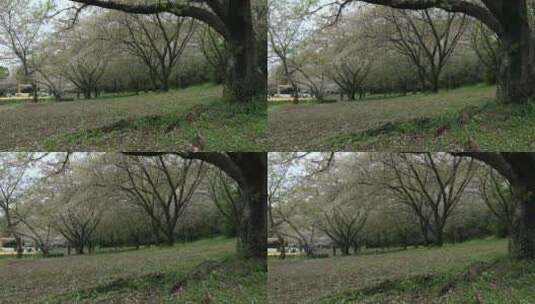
244	77
515	81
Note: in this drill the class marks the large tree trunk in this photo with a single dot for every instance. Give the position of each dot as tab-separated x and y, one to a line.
522	244
244	78
519	170
515	84
253	237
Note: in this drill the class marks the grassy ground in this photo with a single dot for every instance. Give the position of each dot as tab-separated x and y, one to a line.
472	272
461	119
201	272
154	121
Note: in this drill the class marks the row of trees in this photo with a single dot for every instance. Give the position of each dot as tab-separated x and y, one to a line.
241	24
89	200
353	48
381	200
512	23
116	51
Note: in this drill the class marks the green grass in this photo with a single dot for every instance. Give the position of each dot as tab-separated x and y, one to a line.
416	123
413	276
202	272
491	127
155	121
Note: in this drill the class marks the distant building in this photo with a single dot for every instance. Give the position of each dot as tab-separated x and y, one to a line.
9	245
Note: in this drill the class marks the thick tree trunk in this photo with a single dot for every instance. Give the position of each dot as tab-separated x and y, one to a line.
244	77
515	81
253	237
522	244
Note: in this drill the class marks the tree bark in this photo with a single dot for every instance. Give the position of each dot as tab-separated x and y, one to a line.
253	237
523	228
515	83
244	79
519	170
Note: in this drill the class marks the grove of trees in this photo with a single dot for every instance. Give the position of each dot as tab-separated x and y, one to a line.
86	201
89	47
240	24
409	46
381	200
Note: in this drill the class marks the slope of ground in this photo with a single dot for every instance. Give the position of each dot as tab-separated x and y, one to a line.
371	278
491	127
414	122
154	121
200	272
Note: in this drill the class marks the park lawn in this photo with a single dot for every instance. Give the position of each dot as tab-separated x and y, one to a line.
205	271
492	127
413	276
152	121
415	122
